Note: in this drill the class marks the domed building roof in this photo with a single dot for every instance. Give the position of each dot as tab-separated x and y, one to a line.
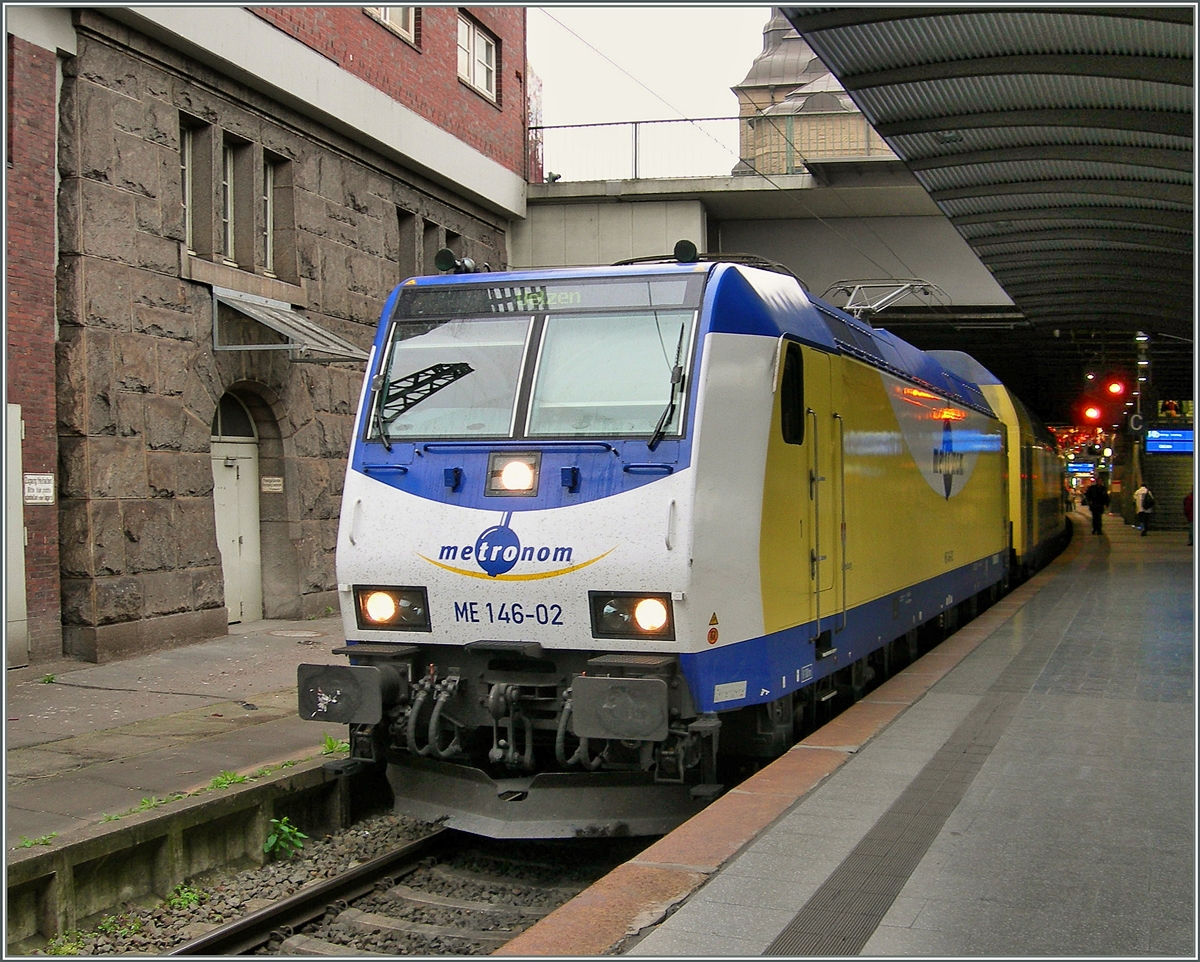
786	60
821	94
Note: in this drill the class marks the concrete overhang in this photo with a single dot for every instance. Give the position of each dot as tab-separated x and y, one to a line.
855	187
48	27
245	47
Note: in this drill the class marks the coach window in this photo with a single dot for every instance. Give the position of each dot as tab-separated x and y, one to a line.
477	57
791	395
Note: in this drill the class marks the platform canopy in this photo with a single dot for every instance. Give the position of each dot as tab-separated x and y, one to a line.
1058	141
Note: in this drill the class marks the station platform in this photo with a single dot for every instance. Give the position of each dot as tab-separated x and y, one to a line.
85	742
1027	788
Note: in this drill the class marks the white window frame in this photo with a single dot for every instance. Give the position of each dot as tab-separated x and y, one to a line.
475	47
187	173
227	204
403	20
268	216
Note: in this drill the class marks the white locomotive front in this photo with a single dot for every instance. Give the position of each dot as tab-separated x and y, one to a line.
512	556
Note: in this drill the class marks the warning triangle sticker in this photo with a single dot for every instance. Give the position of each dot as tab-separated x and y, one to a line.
713	619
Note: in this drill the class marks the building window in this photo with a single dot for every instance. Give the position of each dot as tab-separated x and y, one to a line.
403	20
227	204
268	216
187	174
477	57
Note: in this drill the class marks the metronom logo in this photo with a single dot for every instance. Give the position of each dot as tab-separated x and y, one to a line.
498	550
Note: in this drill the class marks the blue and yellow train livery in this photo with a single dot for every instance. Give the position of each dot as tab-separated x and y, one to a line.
604	529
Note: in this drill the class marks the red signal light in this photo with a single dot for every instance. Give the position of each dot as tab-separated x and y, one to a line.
1092	412
1115	388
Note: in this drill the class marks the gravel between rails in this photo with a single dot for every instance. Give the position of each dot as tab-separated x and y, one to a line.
157	929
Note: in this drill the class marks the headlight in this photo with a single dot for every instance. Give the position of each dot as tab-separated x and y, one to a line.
513	474
631	614
392	609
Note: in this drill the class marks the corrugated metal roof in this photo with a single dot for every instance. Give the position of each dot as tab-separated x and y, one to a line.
1059	141
956	35
935	144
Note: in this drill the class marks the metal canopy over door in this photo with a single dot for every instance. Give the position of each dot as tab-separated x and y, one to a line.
235	505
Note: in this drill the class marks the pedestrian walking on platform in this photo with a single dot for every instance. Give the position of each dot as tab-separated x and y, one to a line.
1096	497
1187	513
1144	503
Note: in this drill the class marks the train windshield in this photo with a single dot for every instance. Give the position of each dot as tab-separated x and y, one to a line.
451	380
610	375
568	358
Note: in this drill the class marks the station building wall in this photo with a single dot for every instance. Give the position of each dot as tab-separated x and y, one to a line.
557	235
132	379
32	91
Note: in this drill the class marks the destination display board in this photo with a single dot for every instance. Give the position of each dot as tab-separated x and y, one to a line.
1176	441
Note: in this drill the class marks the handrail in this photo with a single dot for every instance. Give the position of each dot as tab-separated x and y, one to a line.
842	492
814	494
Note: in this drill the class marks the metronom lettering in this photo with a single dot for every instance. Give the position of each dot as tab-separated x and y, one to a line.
452	552
947	462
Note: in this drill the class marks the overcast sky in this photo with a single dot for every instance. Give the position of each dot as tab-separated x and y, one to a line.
688	55
621	63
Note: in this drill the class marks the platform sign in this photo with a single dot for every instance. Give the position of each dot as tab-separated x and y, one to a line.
1178	441
1081	467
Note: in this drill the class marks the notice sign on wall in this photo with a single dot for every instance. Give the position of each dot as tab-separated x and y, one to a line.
271	485
39	489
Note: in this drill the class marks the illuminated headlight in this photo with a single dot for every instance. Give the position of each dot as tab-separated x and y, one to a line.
392	609
631	614
513	475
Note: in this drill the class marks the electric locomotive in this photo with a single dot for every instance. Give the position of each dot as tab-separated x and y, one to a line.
604	527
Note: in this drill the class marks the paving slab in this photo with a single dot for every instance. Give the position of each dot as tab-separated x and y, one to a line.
97	739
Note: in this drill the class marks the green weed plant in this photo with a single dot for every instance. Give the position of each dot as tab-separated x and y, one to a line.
225	779
184	897
40	840
334	745
285	839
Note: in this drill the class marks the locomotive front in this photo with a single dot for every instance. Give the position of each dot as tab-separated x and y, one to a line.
512	555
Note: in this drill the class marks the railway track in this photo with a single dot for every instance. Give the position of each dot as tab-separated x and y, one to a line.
446	894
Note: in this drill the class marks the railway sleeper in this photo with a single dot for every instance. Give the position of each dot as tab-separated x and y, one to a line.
450	873
371	923
304	945
429	899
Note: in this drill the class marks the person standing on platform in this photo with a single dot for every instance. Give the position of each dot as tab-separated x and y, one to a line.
1144	502
1096	497
1187	513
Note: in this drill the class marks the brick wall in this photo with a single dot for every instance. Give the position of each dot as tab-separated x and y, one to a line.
30	317
424	76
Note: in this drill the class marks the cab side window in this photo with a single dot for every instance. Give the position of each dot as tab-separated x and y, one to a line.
791	395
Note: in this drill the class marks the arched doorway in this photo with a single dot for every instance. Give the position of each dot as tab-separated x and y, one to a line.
234	452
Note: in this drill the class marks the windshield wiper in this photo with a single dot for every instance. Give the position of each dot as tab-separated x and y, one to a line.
410	390
387	445
676	382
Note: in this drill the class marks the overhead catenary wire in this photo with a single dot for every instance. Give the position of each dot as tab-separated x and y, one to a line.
790	195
